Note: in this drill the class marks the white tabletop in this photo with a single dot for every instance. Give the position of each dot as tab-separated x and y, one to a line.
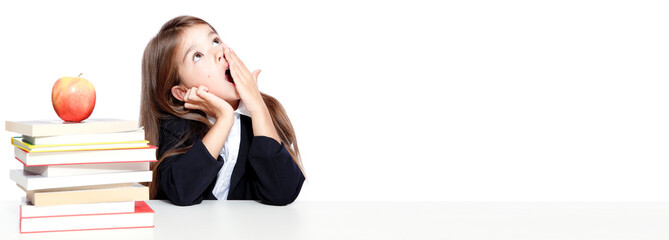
383	220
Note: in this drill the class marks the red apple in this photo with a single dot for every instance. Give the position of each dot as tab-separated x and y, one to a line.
73	98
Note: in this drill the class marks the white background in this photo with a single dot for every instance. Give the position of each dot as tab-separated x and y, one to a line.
411	100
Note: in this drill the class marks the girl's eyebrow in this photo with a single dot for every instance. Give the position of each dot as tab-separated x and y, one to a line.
191	47
187	51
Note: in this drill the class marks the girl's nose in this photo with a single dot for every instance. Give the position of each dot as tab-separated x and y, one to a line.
219	56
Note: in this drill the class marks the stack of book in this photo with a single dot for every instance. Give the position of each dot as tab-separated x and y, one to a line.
82	176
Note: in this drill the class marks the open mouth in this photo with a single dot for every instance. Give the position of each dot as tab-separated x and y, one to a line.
228	76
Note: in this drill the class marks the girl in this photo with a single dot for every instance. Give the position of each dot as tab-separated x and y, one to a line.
218	136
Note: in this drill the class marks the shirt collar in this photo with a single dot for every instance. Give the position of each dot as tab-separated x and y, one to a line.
241	109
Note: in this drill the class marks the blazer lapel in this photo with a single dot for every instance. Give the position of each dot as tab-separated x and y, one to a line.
240	167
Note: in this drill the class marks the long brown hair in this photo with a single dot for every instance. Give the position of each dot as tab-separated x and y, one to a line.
160	74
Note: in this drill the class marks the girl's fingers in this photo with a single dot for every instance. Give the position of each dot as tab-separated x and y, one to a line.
192	106
233	66
186	95
228	56
201	90
192	96
205	96
240	74
238	61
204	88
255	75
235	71
231	59
191	92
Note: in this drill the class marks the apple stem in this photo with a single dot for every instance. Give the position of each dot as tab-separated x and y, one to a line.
80	74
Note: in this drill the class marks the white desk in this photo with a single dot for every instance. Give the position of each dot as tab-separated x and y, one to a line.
383	220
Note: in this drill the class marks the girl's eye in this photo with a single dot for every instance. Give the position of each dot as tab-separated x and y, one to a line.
197	56
217	42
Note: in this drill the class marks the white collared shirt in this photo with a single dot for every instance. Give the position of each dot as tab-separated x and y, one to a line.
229	153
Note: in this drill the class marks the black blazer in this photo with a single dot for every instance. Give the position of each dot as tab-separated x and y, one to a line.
264	171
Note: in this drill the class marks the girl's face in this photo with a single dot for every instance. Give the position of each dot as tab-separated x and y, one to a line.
201	61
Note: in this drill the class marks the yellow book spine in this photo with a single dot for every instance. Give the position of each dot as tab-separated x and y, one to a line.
17	142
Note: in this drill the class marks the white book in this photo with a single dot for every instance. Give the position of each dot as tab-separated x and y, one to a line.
32	181
141	217
30	210
40	128
128	136
90	156
83	169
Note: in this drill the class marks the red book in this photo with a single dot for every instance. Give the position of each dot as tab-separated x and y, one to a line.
142	217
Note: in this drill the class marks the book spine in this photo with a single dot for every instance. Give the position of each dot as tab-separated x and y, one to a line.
37	182
142	217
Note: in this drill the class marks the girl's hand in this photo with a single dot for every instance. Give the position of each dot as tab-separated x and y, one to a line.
199	98
247	87
245	82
